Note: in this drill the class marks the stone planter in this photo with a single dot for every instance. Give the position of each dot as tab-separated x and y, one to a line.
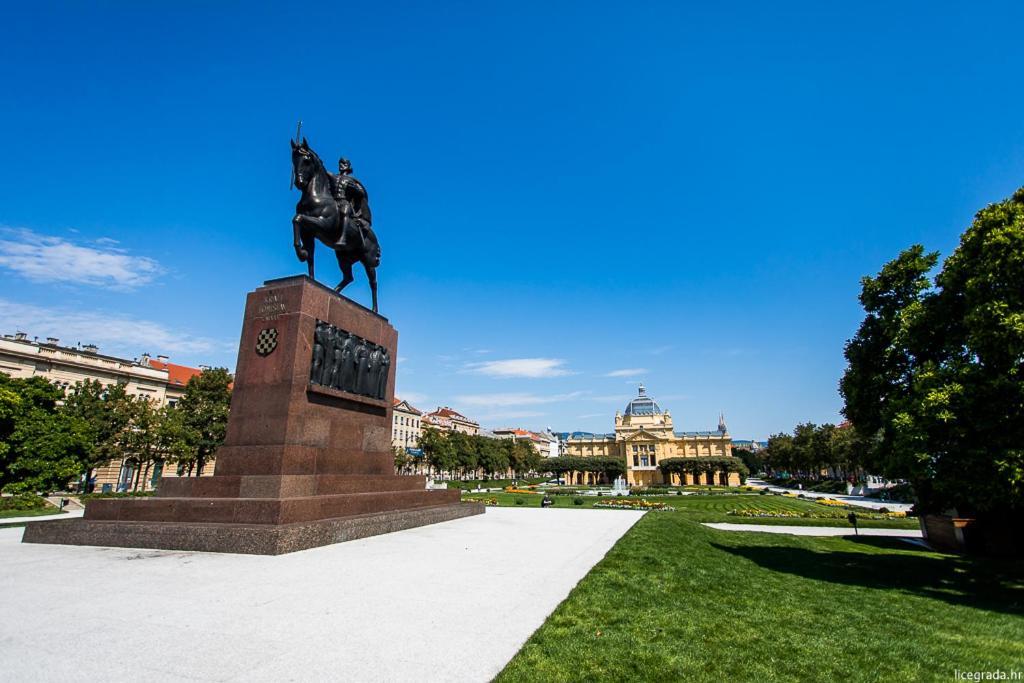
947	534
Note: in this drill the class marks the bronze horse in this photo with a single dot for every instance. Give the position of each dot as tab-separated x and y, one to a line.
319	216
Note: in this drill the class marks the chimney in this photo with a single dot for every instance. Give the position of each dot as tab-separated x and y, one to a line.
20	336
144	359
204	368
163	359
90	348
52	340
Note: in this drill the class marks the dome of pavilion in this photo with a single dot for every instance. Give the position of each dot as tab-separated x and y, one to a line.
642	405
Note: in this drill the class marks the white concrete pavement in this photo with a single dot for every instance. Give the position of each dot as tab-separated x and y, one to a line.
813	530
447	602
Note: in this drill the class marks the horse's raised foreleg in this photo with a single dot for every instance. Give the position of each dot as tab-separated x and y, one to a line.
309	248
346	272
371	276
297	222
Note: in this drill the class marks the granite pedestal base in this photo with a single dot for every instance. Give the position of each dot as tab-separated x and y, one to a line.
306	461
252	539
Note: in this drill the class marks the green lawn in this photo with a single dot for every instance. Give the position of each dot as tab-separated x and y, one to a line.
715	508
674	600
49	510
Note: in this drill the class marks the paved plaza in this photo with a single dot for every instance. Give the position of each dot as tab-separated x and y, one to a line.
857	501
447	602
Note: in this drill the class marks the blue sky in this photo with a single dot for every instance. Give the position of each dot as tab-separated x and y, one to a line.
571	197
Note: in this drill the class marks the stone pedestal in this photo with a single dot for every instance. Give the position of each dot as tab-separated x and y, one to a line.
307	457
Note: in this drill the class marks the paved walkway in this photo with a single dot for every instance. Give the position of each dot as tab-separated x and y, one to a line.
859	501
43	518
447	602
812	530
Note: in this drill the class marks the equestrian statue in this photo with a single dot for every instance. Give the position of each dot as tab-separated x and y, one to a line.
335	210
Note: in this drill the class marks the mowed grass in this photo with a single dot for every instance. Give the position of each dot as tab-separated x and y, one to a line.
674	600
49	510
715	508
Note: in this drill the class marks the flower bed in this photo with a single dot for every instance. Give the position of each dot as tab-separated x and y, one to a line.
633	504
509	489
812	514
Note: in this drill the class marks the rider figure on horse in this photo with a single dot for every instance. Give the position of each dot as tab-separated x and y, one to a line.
353	204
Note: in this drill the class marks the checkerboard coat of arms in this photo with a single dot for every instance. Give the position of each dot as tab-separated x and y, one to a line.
266	341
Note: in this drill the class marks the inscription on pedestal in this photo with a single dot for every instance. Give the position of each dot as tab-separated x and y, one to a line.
271	307
344	361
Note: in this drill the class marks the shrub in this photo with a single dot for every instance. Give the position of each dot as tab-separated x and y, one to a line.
129	494
764	492
24	501
577	501
634	504
520	501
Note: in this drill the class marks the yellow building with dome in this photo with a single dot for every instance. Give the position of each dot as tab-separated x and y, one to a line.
645	436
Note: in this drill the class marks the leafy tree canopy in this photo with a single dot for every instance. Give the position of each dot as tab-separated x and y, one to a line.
935	376
41	448
204	414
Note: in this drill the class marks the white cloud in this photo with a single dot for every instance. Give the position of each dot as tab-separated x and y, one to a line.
507	400
520	367
43	258
115	334
627	372
658	350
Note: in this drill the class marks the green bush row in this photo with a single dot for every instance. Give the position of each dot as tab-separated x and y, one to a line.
23	501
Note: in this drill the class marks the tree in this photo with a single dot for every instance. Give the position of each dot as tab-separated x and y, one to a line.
402	459
608	466
105	412
155	435
204	408
523	457
780	453
464	451
491	455
755	461
172	435
42	448
703	464
935	376
437	450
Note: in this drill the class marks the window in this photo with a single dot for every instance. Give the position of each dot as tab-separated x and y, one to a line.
653	461
636	460
635	448
643	461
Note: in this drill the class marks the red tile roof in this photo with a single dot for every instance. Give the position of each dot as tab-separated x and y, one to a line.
178	375
448	412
